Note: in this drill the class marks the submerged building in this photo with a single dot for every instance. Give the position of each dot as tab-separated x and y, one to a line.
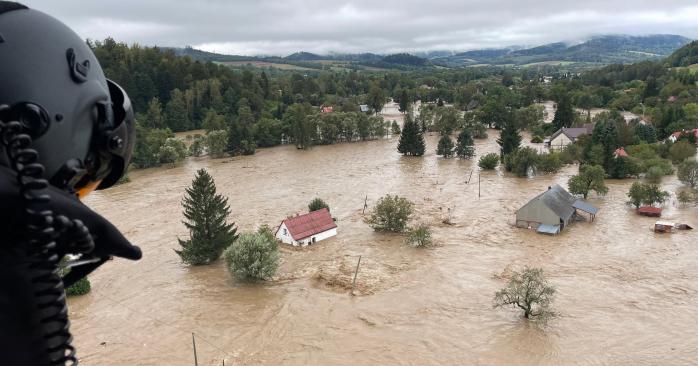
551	211
307	229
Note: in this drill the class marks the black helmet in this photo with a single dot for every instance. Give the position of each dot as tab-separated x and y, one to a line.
81	123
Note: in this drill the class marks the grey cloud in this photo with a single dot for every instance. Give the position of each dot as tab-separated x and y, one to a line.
282	27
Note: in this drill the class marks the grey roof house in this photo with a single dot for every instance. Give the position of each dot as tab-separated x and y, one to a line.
566	136
551	211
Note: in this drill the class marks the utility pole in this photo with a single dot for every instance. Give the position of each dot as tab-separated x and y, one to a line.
478	185
193	342
356	272
365	205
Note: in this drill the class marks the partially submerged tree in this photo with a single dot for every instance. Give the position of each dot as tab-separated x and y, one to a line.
411	139
216	142
419	236
646	194
254	256
529	291
445	147
206	213
509	140
465	147
590	178
391	214
317	204
521	161
688	173
172	151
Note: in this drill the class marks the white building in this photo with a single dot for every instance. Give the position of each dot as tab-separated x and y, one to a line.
566	136
307	229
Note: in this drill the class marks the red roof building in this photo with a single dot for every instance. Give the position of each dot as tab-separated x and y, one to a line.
650	211
307	229
620	152
326	109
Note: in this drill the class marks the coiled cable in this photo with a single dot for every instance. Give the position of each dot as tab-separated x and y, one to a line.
43	231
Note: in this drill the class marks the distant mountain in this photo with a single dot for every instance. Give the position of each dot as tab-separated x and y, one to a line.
599	50
596	51
208	56
405	59
304	56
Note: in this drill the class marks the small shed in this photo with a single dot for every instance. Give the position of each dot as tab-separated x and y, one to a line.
552	207
650	211
587	207
364	108
307	229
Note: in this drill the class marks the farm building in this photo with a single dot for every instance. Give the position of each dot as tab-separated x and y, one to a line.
566	136
307	229
551	211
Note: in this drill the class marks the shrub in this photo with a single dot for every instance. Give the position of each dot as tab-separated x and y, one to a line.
489	161
654	174
254	256
419	236
550	163
684	197
646	194
317	204
81	287
172	151
391	214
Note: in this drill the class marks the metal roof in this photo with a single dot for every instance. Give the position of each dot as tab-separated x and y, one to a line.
585	206
559	201
548	229
309	224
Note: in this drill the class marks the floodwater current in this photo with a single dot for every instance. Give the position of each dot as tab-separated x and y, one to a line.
625	295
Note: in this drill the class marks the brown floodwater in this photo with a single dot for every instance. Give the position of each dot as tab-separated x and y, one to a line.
626	296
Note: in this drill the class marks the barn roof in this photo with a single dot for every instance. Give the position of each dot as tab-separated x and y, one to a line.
558	200
309	224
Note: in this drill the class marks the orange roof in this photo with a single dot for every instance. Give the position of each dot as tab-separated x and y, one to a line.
309	224
621	152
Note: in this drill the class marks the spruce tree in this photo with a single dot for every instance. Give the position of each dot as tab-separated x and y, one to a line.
465	147
411	139
445	147
564	116
206	213
509	140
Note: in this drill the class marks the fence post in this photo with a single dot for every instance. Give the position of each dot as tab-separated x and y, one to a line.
356	272
193	342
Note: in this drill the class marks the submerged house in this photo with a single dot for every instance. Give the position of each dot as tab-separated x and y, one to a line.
551	211
566	136
307	229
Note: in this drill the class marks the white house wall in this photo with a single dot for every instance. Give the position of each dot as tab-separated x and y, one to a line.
287	239
560	141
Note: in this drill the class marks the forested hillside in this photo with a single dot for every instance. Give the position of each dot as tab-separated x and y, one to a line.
250	108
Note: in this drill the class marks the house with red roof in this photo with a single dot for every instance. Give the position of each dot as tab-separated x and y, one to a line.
620	152
326	109
307	229
677	134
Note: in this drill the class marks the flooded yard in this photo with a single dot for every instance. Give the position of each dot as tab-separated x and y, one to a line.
626	296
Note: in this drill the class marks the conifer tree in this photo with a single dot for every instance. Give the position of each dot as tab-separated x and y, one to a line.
564	116
206	213
445	147
411	138
465	147
509	140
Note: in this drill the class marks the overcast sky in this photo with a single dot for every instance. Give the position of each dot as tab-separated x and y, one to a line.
281	27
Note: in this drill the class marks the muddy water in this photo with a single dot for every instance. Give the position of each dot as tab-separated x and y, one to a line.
626	296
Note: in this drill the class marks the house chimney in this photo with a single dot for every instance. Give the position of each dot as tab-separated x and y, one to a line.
549	187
